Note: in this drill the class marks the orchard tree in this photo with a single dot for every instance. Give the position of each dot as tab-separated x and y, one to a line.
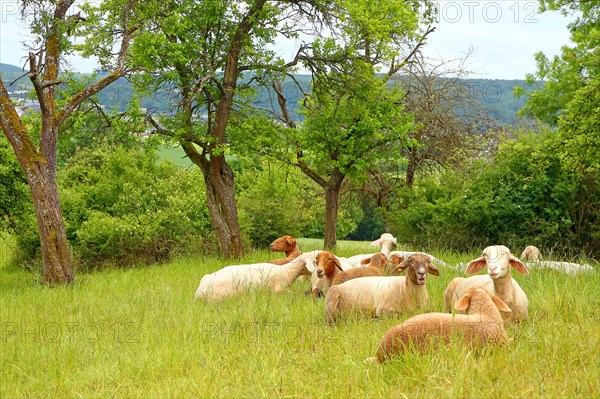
215	53
446	112
55	28
354	114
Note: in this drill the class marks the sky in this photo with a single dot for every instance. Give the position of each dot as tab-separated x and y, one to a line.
504	36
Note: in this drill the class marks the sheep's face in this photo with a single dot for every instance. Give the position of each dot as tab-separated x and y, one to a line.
417	265
498	260
283	244
326	264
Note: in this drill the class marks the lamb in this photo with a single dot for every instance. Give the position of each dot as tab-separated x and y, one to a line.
285	244
376	264
498	281
232	280
482	325
533	254
383	295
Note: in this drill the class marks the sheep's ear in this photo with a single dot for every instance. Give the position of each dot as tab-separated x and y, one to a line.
395	260
475	265
376	243
291	241
400	268
517	264
433	270
310	265
336	262
365	261
463	303
500	304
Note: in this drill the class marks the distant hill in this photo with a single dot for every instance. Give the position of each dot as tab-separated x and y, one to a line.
494	95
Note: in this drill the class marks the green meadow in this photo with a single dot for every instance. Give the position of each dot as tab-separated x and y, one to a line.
138	333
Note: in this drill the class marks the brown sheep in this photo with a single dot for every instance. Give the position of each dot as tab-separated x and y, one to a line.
482	325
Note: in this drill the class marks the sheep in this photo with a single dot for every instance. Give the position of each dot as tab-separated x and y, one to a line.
232	280
498	281
376	264
482	325
285	244
382	295
533	254
327	269
386	241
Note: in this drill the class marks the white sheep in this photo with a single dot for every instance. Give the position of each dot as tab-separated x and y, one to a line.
377	296
235	279
498	281
533	254
288	245
482	325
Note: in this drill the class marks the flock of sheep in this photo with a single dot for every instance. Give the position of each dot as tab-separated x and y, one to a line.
369	284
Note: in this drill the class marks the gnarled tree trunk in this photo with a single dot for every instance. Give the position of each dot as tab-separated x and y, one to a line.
332	198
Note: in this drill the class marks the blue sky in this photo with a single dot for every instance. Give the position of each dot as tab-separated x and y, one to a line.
504	35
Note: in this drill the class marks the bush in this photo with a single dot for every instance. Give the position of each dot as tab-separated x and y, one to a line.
523	196
121	208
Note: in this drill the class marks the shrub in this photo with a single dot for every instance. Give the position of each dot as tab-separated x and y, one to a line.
121	208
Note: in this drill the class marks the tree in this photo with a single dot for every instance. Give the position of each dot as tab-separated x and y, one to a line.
446	112
55	31
569	101
215	53
574	68
352	114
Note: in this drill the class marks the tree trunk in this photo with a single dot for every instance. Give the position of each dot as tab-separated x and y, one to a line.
220	196
56	260
40	171
332	197
412	167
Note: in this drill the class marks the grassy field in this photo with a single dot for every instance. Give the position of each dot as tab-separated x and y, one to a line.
138	333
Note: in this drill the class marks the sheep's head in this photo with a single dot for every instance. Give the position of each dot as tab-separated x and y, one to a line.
417	265
531	253
283	244
327	263
498	260
476	297
378	260
385	237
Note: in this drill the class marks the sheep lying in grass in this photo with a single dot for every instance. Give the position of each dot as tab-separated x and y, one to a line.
285	244
383	295
482	325
386	242
232	280
498	281
533	254
376	264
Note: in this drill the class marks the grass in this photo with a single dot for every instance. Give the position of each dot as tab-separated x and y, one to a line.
137	333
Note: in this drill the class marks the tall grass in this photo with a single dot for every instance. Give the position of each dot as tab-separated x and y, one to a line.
138	333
